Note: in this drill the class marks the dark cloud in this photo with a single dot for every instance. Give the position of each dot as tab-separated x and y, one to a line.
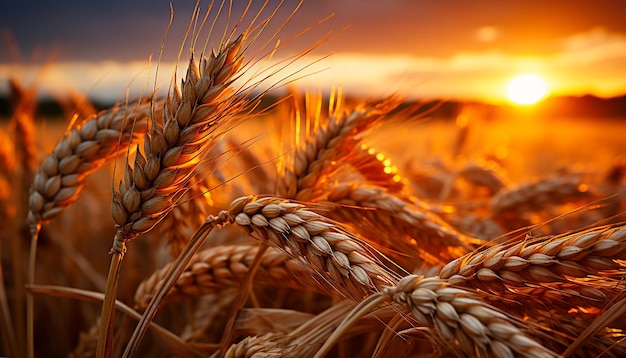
130	30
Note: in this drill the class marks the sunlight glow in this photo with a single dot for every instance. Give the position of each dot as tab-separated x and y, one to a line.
527	89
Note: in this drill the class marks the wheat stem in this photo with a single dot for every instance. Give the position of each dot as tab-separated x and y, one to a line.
176	270
368	304
7	321
105	339
240	299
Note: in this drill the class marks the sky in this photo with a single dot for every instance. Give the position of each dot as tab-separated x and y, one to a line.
451	49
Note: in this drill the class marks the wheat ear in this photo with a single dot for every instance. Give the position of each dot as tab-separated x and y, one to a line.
187	215
482	174
539	195
192	118
83	149
457	319
220	267
419	232
268	345
377	169
87	341
341	259
564	258
313	162
563	328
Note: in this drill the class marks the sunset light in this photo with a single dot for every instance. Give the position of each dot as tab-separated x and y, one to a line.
527	89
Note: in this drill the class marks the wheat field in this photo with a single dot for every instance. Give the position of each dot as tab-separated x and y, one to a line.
204	222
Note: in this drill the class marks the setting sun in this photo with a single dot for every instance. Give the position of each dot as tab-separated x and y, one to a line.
527	89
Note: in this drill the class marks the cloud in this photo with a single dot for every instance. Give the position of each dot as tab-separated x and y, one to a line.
595	45
487	34
589	62
107	80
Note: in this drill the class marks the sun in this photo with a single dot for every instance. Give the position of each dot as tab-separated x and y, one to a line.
527	89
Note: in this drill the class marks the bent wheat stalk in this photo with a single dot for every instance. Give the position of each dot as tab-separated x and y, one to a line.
171	340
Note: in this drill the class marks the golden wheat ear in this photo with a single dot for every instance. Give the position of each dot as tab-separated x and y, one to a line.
341	259
572	257
457	320
193	115
84	149
311	163
217	268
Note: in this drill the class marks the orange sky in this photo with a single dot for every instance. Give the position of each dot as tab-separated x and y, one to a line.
450	48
